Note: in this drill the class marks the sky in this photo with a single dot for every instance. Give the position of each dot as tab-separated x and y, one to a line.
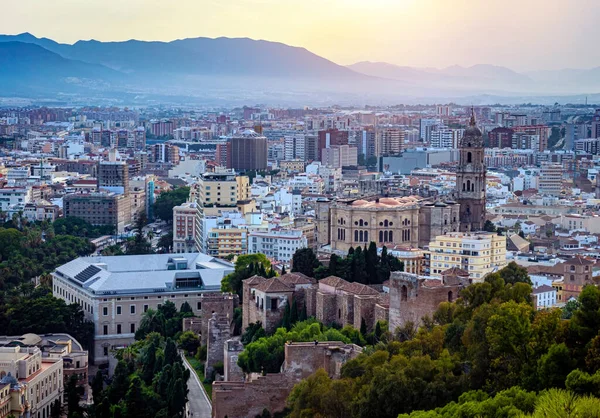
520	34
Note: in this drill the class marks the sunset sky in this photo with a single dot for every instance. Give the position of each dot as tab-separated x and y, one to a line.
520	34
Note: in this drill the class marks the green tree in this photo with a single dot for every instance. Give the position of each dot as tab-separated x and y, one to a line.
489	226
166	201
305	261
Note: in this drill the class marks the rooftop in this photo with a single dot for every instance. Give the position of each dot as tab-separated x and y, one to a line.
146	273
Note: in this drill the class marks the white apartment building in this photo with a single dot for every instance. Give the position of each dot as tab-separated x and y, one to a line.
544	296
278	245
114	292
295	147
307	183
478	253
444	137
13	199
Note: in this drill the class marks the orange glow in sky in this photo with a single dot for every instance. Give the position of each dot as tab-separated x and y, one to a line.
521	34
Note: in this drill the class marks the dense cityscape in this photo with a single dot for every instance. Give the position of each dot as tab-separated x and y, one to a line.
281	249
297	209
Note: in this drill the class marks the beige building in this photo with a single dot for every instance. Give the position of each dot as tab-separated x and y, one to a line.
222	188
29	383
99	208
338	156
114	292
386	221
478	253
551	179
293	166
224	241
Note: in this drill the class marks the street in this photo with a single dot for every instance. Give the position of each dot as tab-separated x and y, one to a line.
198	403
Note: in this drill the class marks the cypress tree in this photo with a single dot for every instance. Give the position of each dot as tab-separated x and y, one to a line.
294	313
363	327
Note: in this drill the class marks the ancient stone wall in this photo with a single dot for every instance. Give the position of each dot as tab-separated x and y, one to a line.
219	303
219	332
411	300
249	399
326	308
232	349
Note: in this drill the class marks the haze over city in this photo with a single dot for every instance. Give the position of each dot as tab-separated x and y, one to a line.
522	35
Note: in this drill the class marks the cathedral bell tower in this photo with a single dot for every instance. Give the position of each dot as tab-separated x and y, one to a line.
470	179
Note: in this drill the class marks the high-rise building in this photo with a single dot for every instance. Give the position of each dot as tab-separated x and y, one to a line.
443	137
551	179
295	147
542	130
113	176
247	150
425	128
331	137
596	124
338	156
391	141
221	154
501	138
185	219
164	153
471	179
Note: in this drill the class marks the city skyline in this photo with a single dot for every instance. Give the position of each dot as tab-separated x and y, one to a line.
426	33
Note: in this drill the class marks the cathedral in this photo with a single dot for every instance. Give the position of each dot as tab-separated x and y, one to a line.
471	179
410	221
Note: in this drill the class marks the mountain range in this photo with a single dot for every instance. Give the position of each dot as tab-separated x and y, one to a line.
242	70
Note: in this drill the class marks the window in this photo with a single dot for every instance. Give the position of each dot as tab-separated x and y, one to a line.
132	309
105	311
105	329
118	328
105	350
404	293
469	157
199	305
145	308
132	328
118	310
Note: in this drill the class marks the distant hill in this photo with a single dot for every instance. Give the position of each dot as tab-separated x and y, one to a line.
242	70
26	67
197	56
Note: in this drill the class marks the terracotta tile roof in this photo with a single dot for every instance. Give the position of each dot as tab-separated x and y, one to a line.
274	285
384	300
542	289
359	289
582	261
296	278
333	281
538	269
254	280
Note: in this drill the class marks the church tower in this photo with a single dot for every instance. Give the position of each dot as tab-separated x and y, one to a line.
470	179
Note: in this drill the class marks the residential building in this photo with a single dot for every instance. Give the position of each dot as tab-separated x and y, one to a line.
185	220
247	150
164	153
391	141
338	156
222	188
544	297
329	138
14	199
500	138
277	244
550	182
113	176
478	253
99	209
31	381
114	292
295	147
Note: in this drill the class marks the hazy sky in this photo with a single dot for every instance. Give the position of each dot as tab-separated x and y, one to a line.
521	34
